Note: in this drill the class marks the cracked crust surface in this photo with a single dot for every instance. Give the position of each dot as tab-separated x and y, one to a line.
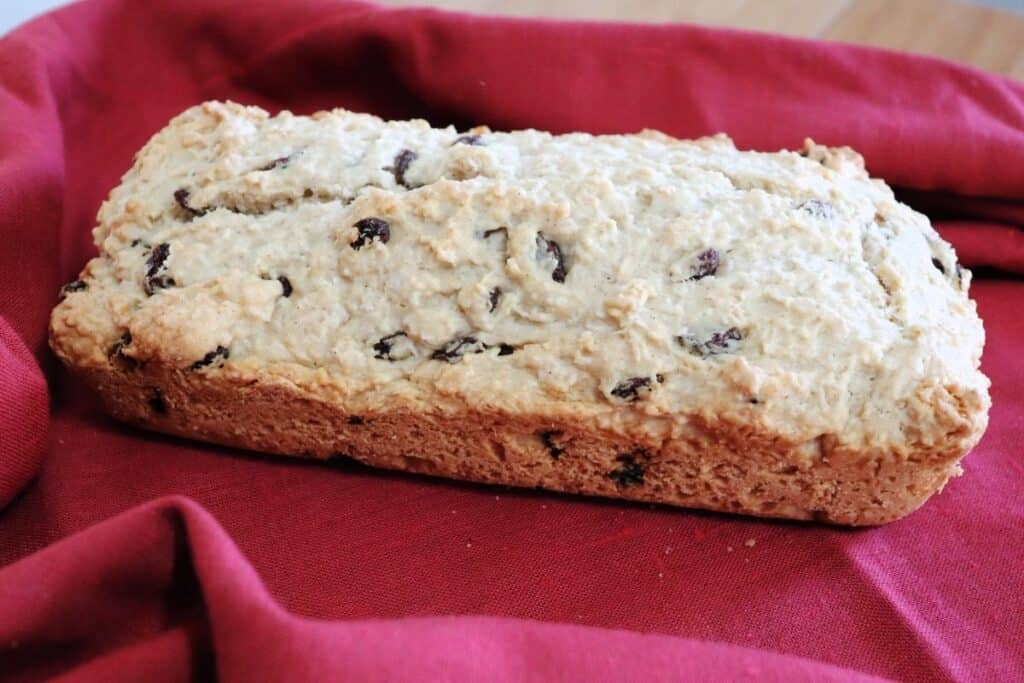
632	316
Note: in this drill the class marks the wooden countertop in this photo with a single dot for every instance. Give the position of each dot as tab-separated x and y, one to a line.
987	38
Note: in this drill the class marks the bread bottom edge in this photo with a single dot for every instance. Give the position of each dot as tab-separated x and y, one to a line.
727	469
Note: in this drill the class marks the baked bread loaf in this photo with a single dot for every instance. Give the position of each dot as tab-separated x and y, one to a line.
631	316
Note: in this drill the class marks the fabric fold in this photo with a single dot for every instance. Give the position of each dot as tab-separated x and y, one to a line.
24	407
169	597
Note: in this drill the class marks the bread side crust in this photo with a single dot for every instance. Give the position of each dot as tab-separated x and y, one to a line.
726	467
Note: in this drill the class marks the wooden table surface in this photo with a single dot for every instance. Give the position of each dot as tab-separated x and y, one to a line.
987	38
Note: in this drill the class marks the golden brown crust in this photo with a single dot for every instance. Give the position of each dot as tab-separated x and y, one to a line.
725	467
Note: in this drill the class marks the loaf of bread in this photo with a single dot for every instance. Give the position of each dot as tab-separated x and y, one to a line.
631	316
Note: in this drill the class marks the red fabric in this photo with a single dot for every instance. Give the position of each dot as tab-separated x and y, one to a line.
377	575
169	591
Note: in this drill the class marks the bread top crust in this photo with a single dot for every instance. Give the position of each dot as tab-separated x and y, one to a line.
633	281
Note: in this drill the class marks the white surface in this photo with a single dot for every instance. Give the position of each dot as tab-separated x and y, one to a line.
14	12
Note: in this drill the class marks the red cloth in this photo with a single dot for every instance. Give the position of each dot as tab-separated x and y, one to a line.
163	591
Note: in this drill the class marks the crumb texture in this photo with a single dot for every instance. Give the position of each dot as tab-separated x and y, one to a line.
649	290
